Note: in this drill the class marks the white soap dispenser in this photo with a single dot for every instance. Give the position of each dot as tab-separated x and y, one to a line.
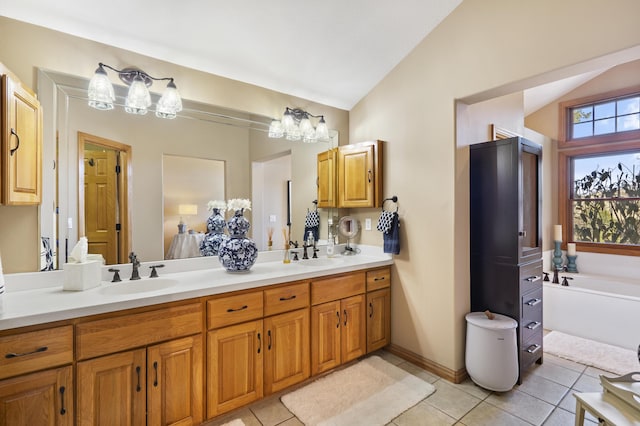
330	240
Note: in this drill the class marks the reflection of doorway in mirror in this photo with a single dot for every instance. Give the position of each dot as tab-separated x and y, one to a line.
103	194
270	183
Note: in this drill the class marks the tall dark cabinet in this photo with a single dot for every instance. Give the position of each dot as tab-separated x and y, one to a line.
506	237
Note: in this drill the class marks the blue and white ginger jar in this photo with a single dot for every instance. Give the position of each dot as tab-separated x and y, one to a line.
215	234
237	253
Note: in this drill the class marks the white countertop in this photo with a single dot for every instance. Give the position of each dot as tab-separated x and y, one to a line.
37	298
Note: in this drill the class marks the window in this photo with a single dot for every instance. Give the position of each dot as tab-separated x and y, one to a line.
599	173
612	116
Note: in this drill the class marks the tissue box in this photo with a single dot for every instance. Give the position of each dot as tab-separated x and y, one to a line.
81	276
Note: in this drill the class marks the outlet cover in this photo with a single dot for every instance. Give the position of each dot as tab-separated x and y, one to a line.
272	218
367	224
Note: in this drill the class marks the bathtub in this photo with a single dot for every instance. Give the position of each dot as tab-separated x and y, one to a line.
599	308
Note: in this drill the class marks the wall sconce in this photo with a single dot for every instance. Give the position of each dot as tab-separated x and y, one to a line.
186	210
102	95
296	125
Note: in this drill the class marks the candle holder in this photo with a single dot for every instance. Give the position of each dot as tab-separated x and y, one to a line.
557	255
571	264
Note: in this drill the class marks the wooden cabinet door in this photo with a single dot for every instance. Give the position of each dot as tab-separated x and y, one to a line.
21	145
356	176
325	337
286	359
112	389
327	178
353	338
378	319
175	382
43	398
234	367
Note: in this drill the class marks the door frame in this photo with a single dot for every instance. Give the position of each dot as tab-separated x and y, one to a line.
124	195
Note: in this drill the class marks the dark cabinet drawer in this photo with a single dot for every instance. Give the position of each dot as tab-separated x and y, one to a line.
530	277
531	350
531	314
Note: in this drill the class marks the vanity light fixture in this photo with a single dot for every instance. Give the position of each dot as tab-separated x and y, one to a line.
296	125
102	96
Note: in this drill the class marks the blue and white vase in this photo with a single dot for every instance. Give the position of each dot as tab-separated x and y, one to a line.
215	234
237	253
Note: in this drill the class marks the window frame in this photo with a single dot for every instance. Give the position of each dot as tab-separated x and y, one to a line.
601	144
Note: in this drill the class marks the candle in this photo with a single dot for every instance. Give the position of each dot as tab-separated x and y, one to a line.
557	232
571	249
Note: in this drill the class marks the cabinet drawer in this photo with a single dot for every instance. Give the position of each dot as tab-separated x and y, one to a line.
531	350
286	298
36	350
378	278
339	287
234	309
530	277
95	338
531	314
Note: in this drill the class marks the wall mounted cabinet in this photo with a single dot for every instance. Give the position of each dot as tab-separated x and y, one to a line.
350	176
21	143
506	237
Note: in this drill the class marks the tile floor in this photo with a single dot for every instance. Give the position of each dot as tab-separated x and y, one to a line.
544	398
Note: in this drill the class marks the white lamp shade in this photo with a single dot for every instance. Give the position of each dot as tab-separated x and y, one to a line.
294	134
305	125
187	209
138	98
275	129
170	103
100	92
322	131
287	122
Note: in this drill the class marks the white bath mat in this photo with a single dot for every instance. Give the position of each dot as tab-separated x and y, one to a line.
600	355
371	392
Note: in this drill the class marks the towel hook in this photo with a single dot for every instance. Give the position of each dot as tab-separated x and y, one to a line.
394	199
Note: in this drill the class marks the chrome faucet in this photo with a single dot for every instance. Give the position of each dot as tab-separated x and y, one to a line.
135	264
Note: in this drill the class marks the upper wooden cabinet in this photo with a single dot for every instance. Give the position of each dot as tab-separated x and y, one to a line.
21	147
351	176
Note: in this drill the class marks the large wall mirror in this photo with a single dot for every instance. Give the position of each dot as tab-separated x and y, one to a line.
278	175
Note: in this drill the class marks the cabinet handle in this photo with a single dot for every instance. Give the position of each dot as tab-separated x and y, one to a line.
138	387
63	410
282	299
533	348
17	355
533	279
259	343
11	151
369	173
345	317
533	325
338	315
370	310
533	302
236	310
155	369
269	335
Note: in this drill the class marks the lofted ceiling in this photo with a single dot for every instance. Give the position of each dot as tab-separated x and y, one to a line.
332	52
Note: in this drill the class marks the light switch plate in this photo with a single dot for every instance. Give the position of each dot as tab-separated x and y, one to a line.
367	224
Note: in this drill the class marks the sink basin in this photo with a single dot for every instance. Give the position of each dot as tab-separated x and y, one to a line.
141	286
320	261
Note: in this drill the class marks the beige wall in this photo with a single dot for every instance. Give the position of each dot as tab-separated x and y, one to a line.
484	49
24	48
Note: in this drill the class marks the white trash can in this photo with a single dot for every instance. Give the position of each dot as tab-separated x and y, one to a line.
491	355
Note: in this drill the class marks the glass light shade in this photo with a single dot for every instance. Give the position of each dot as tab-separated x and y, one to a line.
294	134
287	122
305	124
138	98
170	103
100	92
309	136
322	131
275	129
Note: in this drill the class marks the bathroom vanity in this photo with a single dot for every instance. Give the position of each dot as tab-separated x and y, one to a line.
188	346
